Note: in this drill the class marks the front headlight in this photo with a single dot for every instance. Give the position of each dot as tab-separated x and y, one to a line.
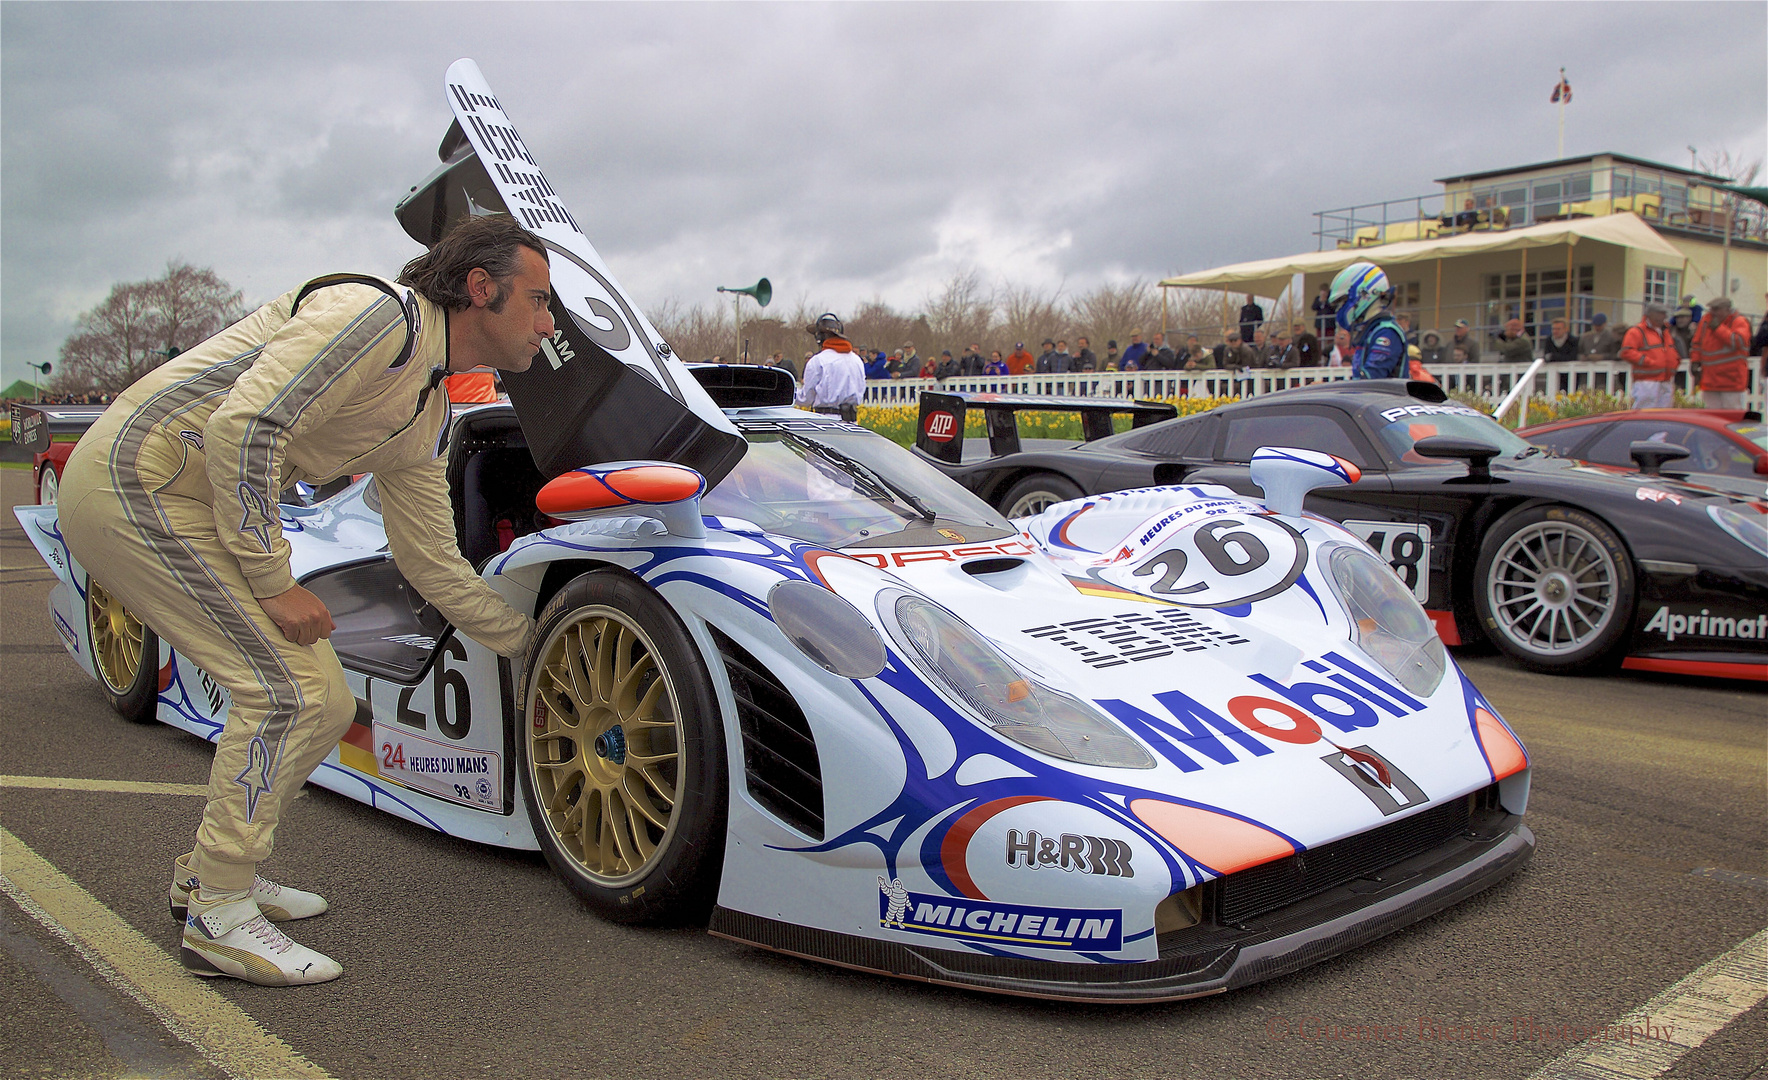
1750	530
1023	710
1389	623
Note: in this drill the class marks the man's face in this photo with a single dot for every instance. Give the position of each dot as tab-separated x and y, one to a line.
1655	318
1558	328
510	337
1513	327
1062	346
1082	343
1258	337
1135	339
1460	333
1342	339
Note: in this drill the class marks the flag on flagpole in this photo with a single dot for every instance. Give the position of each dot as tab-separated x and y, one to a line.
1562	91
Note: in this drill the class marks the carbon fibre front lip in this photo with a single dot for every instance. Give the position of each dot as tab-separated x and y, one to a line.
1450	873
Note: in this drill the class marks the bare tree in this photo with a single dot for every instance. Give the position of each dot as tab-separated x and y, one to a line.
1114	312
112	344
192	303
143	323
1722	162
1029	315
961	312
1194	311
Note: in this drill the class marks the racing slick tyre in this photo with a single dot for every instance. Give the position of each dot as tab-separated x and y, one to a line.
621	752
125	654
1554	589
48	486
1036	493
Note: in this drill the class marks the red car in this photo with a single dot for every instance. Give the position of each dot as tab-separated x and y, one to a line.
1727	448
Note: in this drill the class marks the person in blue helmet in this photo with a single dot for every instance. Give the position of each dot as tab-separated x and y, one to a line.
1361	294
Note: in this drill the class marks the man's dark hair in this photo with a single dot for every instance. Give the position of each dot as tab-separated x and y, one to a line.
491	243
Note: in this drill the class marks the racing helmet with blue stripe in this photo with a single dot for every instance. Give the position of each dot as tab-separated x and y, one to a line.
1358	292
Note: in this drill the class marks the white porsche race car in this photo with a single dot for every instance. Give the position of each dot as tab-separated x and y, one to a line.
1142	746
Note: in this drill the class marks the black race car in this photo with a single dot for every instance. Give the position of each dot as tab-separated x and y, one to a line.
1562	566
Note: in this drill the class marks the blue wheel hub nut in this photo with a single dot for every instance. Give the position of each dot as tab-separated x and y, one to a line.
611	744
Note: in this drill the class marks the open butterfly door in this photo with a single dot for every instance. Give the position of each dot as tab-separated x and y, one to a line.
606	387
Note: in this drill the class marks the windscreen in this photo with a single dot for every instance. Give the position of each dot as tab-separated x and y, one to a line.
842	486
1753	430
1399	428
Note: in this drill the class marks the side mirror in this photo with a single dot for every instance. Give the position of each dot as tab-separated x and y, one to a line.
1478	455
1762	466
1650	456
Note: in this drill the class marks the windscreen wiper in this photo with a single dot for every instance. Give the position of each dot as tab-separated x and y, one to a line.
863	471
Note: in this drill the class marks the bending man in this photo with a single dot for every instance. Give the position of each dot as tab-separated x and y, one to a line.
170	502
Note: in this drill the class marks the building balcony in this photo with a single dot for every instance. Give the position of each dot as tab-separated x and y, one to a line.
1669	200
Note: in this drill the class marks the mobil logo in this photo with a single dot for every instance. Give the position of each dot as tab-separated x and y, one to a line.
1346	698
940	426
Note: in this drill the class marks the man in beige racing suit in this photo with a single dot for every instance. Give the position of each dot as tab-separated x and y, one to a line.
170	502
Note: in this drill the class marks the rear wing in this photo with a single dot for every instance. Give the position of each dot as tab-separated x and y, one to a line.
940	432
34	427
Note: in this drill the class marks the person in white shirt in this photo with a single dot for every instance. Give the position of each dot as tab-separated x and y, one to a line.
834	378
1341	350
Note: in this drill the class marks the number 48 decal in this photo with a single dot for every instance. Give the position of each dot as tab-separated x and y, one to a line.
1405	547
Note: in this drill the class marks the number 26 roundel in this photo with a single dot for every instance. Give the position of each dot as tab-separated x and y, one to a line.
1217	562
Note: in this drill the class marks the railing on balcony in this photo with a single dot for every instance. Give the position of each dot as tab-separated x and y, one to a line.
1665	199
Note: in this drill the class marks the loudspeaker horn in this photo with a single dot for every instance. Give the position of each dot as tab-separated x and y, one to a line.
762	291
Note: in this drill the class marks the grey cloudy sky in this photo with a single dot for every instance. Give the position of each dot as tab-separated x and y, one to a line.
845	150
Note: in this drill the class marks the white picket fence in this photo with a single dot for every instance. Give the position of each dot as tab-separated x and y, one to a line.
1490	381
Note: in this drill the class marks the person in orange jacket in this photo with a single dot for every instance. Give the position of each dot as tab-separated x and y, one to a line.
1651	350
1721	353
1021	362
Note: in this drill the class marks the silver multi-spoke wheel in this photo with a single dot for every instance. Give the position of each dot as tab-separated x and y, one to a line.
48	487
1552	588
1555	588
1037	493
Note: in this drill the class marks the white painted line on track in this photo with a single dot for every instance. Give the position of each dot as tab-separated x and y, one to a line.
124	787
1648	1041
217	1028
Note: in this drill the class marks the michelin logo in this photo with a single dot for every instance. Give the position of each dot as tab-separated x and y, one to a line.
1091	929
1705	625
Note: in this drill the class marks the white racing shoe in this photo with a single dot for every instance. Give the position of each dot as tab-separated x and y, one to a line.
232	937
278	903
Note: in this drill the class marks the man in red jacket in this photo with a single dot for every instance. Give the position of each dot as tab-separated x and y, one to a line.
1651	351
1721	353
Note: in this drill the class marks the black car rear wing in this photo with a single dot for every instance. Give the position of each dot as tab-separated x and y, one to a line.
940	432
34	427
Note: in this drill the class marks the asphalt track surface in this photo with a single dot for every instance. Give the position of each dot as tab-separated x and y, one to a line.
466	961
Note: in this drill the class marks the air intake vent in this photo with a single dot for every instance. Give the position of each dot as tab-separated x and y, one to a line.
780	763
